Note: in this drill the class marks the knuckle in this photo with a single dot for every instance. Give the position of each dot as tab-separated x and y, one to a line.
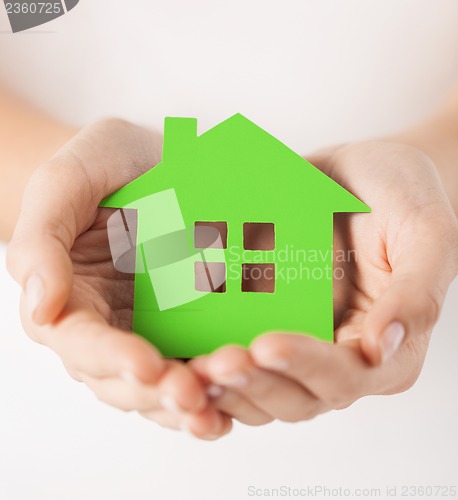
13	258
273	347
430	305
229	359
51	167
232	351
57	169
34	336
113	124
416	352
33	332
53	170
72	372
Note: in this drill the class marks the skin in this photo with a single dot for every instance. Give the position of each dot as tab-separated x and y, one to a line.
385	308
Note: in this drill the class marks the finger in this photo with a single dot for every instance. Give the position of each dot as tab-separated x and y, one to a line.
274	394
88	345
60	202
335	373
423	263
125	396
176	391
239	407
181	389
164	418
228	401
209	424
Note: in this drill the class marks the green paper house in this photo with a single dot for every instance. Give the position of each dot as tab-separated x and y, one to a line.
233	237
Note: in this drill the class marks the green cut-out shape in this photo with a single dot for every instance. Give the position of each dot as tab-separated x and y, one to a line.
235	173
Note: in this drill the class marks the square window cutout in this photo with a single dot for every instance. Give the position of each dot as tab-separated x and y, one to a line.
258	278
258	236
210	234
210	277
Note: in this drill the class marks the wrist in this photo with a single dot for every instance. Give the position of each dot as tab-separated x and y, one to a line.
17	164
438	139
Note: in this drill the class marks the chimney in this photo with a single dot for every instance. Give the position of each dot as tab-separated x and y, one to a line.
179	134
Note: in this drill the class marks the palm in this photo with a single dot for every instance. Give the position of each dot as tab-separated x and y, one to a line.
368	244
96	281
360	275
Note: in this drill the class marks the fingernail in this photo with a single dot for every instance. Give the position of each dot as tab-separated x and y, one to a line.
391	340
129	377
34	292
169	403
237	380
210	437
184	426
214	391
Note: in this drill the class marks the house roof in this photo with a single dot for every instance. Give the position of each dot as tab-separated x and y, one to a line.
236	135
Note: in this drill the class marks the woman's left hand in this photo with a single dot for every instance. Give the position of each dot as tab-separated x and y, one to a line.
384	308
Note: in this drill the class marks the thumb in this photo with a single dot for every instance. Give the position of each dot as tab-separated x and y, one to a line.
410	306
61	202
39	261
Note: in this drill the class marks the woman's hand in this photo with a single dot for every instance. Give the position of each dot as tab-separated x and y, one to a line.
385	307
76	303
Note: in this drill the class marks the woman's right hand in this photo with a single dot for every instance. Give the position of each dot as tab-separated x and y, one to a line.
74	300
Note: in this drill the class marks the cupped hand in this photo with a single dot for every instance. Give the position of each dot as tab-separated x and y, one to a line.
405	255
76	302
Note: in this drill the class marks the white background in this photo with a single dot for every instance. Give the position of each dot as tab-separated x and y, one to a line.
311	73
